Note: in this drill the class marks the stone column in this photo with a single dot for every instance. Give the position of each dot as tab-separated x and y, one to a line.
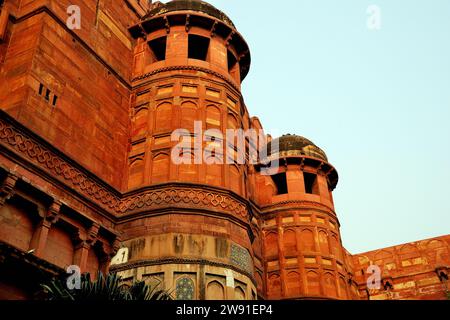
85	243
40	235
110	252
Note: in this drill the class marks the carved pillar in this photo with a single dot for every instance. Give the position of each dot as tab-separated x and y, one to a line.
105	262
85	242
40	235
7	189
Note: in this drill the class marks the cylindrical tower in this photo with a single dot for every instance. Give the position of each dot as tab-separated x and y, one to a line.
190	229
303	251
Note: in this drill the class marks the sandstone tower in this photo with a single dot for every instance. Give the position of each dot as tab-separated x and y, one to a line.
302	244
189	62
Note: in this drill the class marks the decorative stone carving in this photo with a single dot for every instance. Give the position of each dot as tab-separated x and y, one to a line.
7	189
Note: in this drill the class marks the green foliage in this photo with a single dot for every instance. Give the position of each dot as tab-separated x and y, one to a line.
448	295
104	288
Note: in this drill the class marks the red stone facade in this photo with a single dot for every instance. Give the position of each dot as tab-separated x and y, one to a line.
87	176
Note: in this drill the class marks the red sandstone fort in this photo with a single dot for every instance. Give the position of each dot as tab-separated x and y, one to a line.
86	176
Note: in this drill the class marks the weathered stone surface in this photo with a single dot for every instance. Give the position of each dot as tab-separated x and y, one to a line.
85	165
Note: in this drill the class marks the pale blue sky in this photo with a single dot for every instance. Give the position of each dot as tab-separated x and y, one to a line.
377	102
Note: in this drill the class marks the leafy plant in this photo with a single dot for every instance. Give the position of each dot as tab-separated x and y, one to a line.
104	288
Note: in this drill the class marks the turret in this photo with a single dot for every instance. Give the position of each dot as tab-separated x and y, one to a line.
192	230
303	250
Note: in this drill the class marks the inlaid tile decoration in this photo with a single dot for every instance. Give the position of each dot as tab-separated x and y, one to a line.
185	289
240	257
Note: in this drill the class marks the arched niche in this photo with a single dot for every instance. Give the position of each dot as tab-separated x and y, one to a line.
215	291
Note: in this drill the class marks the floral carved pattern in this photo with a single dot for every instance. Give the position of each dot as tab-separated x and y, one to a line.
43	156
183	196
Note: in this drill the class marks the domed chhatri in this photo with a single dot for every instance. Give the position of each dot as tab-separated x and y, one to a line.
191	5
293	145
197	18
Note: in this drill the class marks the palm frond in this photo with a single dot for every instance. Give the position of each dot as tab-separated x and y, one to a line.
108	287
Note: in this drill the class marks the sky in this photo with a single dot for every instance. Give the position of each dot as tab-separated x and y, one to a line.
377	101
